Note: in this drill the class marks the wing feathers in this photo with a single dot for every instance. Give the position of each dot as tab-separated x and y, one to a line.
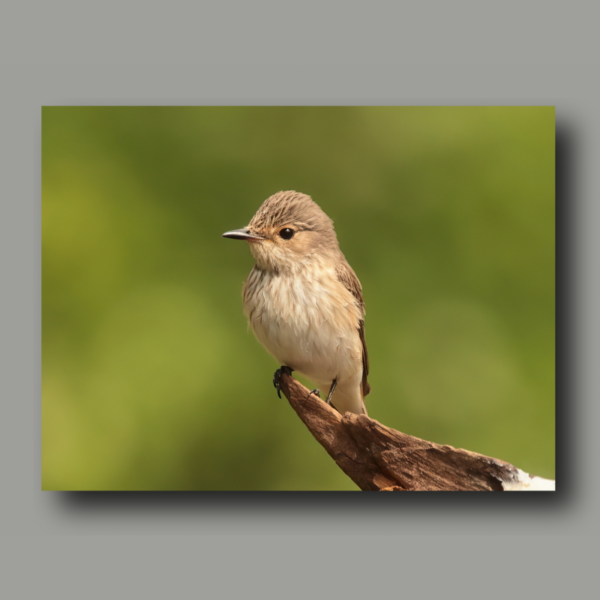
348	278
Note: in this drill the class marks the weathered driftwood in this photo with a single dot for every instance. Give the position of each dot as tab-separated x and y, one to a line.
379	458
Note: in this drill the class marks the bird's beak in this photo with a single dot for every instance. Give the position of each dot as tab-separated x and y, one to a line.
242	234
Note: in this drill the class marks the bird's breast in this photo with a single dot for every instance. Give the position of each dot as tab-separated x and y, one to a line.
308	321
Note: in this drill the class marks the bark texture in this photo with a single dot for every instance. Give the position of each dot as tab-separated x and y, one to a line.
379	458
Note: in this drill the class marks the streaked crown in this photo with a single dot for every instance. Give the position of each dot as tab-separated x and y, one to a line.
285	208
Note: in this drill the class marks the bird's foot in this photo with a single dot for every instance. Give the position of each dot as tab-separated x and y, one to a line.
277	377
316	392
331	390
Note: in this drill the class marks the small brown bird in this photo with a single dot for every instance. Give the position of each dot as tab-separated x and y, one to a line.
303	300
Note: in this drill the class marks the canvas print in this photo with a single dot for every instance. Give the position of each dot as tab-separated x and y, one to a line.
298	298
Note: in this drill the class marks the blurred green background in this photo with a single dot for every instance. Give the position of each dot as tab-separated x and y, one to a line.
151	379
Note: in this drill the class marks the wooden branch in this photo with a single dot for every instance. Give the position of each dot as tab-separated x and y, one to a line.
377	457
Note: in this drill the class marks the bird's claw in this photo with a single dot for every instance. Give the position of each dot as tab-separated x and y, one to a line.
316	392
277	377
331	390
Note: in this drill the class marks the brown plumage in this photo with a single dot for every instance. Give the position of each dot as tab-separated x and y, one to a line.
303	300
350	281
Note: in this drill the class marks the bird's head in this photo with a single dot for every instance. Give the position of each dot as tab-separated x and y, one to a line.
287	231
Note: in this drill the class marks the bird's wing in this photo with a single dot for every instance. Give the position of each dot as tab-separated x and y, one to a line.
350	281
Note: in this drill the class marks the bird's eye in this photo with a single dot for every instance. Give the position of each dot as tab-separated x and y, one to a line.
287	233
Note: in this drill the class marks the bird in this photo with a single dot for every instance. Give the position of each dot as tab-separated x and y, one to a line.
303	301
